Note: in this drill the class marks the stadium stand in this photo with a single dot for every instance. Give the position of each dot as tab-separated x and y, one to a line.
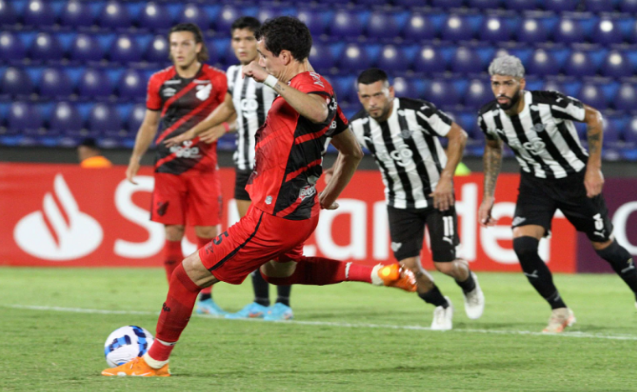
71	68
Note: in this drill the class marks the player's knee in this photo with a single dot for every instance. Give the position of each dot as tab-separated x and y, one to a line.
174	232
525	247
206	231
447	268
412	263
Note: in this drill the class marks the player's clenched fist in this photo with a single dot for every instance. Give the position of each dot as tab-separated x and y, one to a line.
254	70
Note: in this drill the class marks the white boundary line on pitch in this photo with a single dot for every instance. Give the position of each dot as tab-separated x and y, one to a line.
575	334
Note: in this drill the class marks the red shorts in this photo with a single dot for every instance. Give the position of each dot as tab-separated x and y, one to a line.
253	241
192	198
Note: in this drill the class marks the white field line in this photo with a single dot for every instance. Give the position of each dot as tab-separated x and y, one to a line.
575	334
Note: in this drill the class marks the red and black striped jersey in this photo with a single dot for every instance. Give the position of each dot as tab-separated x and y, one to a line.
289	150
183	104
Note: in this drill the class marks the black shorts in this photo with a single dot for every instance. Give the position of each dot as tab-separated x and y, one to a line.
407	230
538	199
240	182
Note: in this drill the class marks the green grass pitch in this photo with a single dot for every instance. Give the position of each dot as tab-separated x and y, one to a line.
345	337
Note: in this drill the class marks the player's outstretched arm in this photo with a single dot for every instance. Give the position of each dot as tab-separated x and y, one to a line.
213	125
145	136
594	179
349	156
443	194
492	164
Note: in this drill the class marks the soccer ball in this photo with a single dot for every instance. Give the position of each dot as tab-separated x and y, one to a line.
126	343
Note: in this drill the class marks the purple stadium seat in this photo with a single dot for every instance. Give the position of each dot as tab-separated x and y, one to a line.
560	5
8	16
371	2
353	58
466	60
46	47
321	57
494	29
484	4
429	59
16	82
76	13
158	50
24	117
419	28
38	13
405	88
592	95
442	93
103	118
11	47
125	50
447	3
65	119
94	84
580	64
616	65
193	14
456	28
599	5
630	132
626	98
86	48
626	6
542	63
131	85
55	83
393	59
135	118
314	19
533	31
522	5
154	16
382	25
607	32
114	16
569	31
478	93
227	16
346	24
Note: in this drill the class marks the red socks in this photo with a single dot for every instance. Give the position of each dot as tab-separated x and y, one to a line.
201	242
175	313
320	271
172	256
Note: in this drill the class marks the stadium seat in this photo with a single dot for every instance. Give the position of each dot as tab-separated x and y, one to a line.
38	13
419	28
599	5
630	131
8	16
542	63
485	4
353	58
194	14
522	5
534	30
466	61
626	98
154	16
442	93
569	31
55	83
227	16
626	6
408	3
382	25
103	118
579	64
478	93
612	130
560	5
114	16
65	119
94	84
616	65
429	59
85	48
24	117
495	29
346	24
592	95
405	88
157	50
321	57
131	85
135	118
315	19
345	88
76	13
125	50
607	32
456	28
16	83
11	47
371	2
393	59
447	3
46	47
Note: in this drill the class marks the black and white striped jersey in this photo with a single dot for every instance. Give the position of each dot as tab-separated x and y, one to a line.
252	101
543	136
406	149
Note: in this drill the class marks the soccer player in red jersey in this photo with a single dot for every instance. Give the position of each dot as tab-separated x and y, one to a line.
285	204
187	187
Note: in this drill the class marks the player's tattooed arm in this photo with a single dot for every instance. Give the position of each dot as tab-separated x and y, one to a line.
492	163
593	179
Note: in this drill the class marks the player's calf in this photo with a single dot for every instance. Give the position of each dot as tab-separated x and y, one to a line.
622	263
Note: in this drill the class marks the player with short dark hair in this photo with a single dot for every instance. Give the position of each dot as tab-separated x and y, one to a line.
187	188
285	204
402	136
90	155
556	172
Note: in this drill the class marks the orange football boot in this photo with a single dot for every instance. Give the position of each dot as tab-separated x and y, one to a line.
395	275
137	368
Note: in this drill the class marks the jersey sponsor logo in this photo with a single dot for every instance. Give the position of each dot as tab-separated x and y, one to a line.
249	105
401	156
186	151
60	231
534	146
203	92
172	81
307	191
168	92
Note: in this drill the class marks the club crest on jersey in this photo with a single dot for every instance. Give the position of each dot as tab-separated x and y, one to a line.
203	92
405	133
538	128
168	92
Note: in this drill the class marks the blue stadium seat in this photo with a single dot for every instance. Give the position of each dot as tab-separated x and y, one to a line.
495	29
154	16
522	5
315	19
16	83
484	4
65	119
465	60
38	13
125	50
157	50
8	16
408	3
227	16
457	28
321	57
542	63
54	84
616	65
419	28
103	118
393	59
24	117
382	25
114	16
626	98
346	24
371	2
46	47
405	88
612	130
447	3
535	30
478	93
626	6
11	47
442	93
599	5
592	95
569	31
194	14
94	84
135	118
76	13
429	59
86	48
630	131
345	88
560	5
131	85
580	64
607	32
353	58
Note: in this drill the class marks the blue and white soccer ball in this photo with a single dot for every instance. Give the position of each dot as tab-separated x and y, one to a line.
126	343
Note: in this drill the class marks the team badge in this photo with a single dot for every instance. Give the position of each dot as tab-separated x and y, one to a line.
405	133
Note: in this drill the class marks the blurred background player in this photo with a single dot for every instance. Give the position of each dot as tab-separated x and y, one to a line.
402	135
557	172
248	101
90	155
187	188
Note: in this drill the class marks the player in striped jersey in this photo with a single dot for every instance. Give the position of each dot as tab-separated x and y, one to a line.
557	172
402	136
